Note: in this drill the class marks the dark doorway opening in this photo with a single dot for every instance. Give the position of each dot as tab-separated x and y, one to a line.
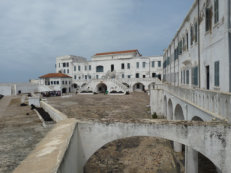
64	90
112	67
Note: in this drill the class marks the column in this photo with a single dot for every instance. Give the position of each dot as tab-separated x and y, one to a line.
191	160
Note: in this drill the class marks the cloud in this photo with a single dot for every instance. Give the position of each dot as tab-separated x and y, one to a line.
34	32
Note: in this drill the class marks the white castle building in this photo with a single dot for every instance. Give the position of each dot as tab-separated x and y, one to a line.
120	71
199	55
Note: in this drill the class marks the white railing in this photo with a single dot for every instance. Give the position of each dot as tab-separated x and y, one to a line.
212	101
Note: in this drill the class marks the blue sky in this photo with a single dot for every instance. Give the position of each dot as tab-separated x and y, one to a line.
34	32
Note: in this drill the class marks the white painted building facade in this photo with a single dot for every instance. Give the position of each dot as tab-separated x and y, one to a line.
113	68
199	54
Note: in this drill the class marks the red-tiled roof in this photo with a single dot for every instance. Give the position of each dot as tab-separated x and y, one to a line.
118	52
55	75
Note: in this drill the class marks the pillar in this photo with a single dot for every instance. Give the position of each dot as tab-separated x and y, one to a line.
177	147
191	160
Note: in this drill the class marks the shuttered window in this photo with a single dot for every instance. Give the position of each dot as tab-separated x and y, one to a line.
216	73
195	31
216	11
208	22
195	75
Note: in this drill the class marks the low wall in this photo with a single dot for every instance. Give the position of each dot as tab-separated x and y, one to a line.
49	153
56	115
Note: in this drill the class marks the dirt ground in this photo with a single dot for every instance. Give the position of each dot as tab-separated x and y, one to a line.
130	155
104	106
20	131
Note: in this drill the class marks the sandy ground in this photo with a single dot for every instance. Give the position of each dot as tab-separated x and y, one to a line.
130	155
20	131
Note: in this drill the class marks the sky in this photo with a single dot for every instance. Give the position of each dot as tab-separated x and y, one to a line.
34	32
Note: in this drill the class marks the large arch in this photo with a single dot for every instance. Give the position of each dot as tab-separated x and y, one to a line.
138	87
94	135
101	88
170	110
178	113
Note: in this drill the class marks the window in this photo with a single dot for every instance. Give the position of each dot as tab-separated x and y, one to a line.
122	66
51	82
89	76
129	76
63	82
144	76
66	82
57	82
159	63
153	75
187	41
216	73
67	64
187	76
216	11
180	48
153	63
64	71
85	68
128	65
122	75
79	67
74	68
97	76
75	77
195	30
99	68
137	64
64	64
59	64
143	64
86	77
191	34
54	82
67	70
89	67
137	75
195	75
208	22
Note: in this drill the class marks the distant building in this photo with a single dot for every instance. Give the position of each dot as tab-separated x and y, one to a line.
121	70
56	82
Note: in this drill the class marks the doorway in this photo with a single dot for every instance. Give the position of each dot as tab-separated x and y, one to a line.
112	67
207	77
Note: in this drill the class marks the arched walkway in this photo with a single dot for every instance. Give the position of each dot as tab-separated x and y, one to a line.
170	110
92	137
75	86
101	88
179	115
138	87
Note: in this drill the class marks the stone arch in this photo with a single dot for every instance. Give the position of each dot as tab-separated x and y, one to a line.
115	131
101	87
197	118
151	85
165	106
170	110
178	113
64	90
138	87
